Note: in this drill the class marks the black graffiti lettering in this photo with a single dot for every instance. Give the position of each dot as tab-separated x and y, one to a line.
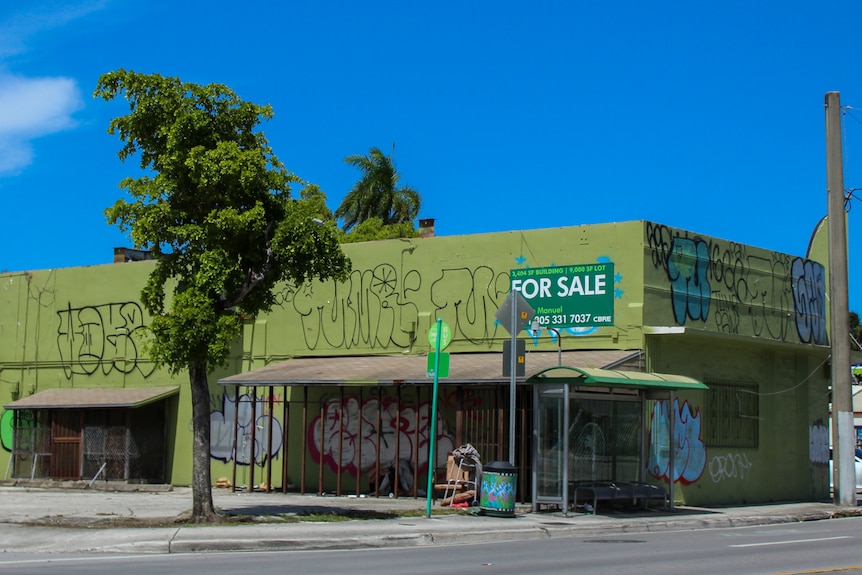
743	291
378	308
809	300
102	338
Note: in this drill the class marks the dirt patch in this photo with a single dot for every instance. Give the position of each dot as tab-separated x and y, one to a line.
315	514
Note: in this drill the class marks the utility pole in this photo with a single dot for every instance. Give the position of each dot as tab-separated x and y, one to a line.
843	437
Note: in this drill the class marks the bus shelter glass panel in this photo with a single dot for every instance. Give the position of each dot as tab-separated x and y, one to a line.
549	413
604	439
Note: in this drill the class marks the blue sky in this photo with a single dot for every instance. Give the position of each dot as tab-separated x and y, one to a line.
706	116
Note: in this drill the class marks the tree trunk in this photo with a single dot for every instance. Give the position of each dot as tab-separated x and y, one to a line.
203	510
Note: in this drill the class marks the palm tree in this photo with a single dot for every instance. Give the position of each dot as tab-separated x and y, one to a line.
377	194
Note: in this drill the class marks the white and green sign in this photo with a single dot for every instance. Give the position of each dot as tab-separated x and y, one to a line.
568	296
445	335
441	365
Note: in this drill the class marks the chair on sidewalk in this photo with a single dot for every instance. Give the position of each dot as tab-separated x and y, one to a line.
460	483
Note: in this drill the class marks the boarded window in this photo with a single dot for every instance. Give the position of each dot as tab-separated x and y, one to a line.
731	414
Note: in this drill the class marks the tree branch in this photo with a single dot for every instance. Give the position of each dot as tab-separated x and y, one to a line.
253	277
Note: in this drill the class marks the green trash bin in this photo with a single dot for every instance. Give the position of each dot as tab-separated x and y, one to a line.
499	479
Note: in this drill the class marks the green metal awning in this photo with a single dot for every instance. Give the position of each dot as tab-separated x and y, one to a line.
587	376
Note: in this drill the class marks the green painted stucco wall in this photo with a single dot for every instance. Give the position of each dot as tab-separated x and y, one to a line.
399	288
698	306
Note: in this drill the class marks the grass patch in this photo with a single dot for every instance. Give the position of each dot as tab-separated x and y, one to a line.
315	515
436	511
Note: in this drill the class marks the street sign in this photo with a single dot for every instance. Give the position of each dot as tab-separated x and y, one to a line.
514	315
445	335
520	359
443	366
523	313
568	296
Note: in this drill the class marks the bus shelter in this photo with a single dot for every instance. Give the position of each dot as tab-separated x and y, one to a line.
590	428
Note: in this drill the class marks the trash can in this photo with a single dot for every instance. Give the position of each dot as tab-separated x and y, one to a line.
499	479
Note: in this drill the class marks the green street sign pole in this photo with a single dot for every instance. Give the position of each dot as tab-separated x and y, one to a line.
431	444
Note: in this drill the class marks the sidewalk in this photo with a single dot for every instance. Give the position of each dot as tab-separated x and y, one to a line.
36	519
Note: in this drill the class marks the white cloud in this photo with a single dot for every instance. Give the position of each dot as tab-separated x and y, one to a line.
42	16
36	106
29	108
14	156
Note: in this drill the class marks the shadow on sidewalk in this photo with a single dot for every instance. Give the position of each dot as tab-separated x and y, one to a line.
264	511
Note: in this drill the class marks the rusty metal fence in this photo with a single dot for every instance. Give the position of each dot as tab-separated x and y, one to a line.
31	447
111	445
368	440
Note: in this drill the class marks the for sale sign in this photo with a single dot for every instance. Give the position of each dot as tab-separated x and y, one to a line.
568	296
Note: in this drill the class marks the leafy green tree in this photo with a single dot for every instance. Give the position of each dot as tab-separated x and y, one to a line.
316	198
215	209
377	193
374	229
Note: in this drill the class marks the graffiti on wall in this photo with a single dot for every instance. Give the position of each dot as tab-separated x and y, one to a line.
243	447
376	308
687	266
379	307
727	283
337	436
26	420
6	429
101	338
472	296
373	308
690	451
809	300
730	466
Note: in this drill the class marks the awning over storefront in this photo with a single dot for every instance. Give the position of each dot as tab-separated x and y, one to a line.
75	398
478	368
579	376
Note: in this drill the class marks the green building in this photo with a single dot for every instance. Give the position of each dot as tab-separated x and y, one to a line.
330	392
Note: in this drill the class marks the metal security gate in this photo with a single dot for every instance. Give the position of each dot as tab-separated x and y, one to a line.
31	446
111	444
66	444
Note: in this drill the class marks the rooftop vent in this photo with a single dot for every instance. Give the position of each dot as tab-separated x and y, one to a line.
124	255
426	228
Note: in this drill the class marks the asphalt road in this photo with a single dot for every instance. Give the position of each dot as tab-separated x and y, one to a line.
806	547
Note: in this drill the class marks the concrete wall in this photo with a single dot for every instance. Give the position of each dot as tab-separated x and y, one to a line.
399	288
725	287
791	385
83	327
718	310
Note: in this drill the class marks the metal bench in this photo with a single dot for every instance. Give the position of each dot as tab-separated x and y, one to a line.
631	492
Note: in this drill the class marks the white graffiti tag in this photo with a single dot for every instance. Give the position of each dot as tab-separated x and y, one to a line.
243	450
818	443
730	466
343	442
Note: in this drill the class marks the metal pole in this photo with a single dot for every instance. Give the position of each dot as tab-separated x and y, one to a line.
559	346
842	401
671	463
566	450
512	377
431	443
